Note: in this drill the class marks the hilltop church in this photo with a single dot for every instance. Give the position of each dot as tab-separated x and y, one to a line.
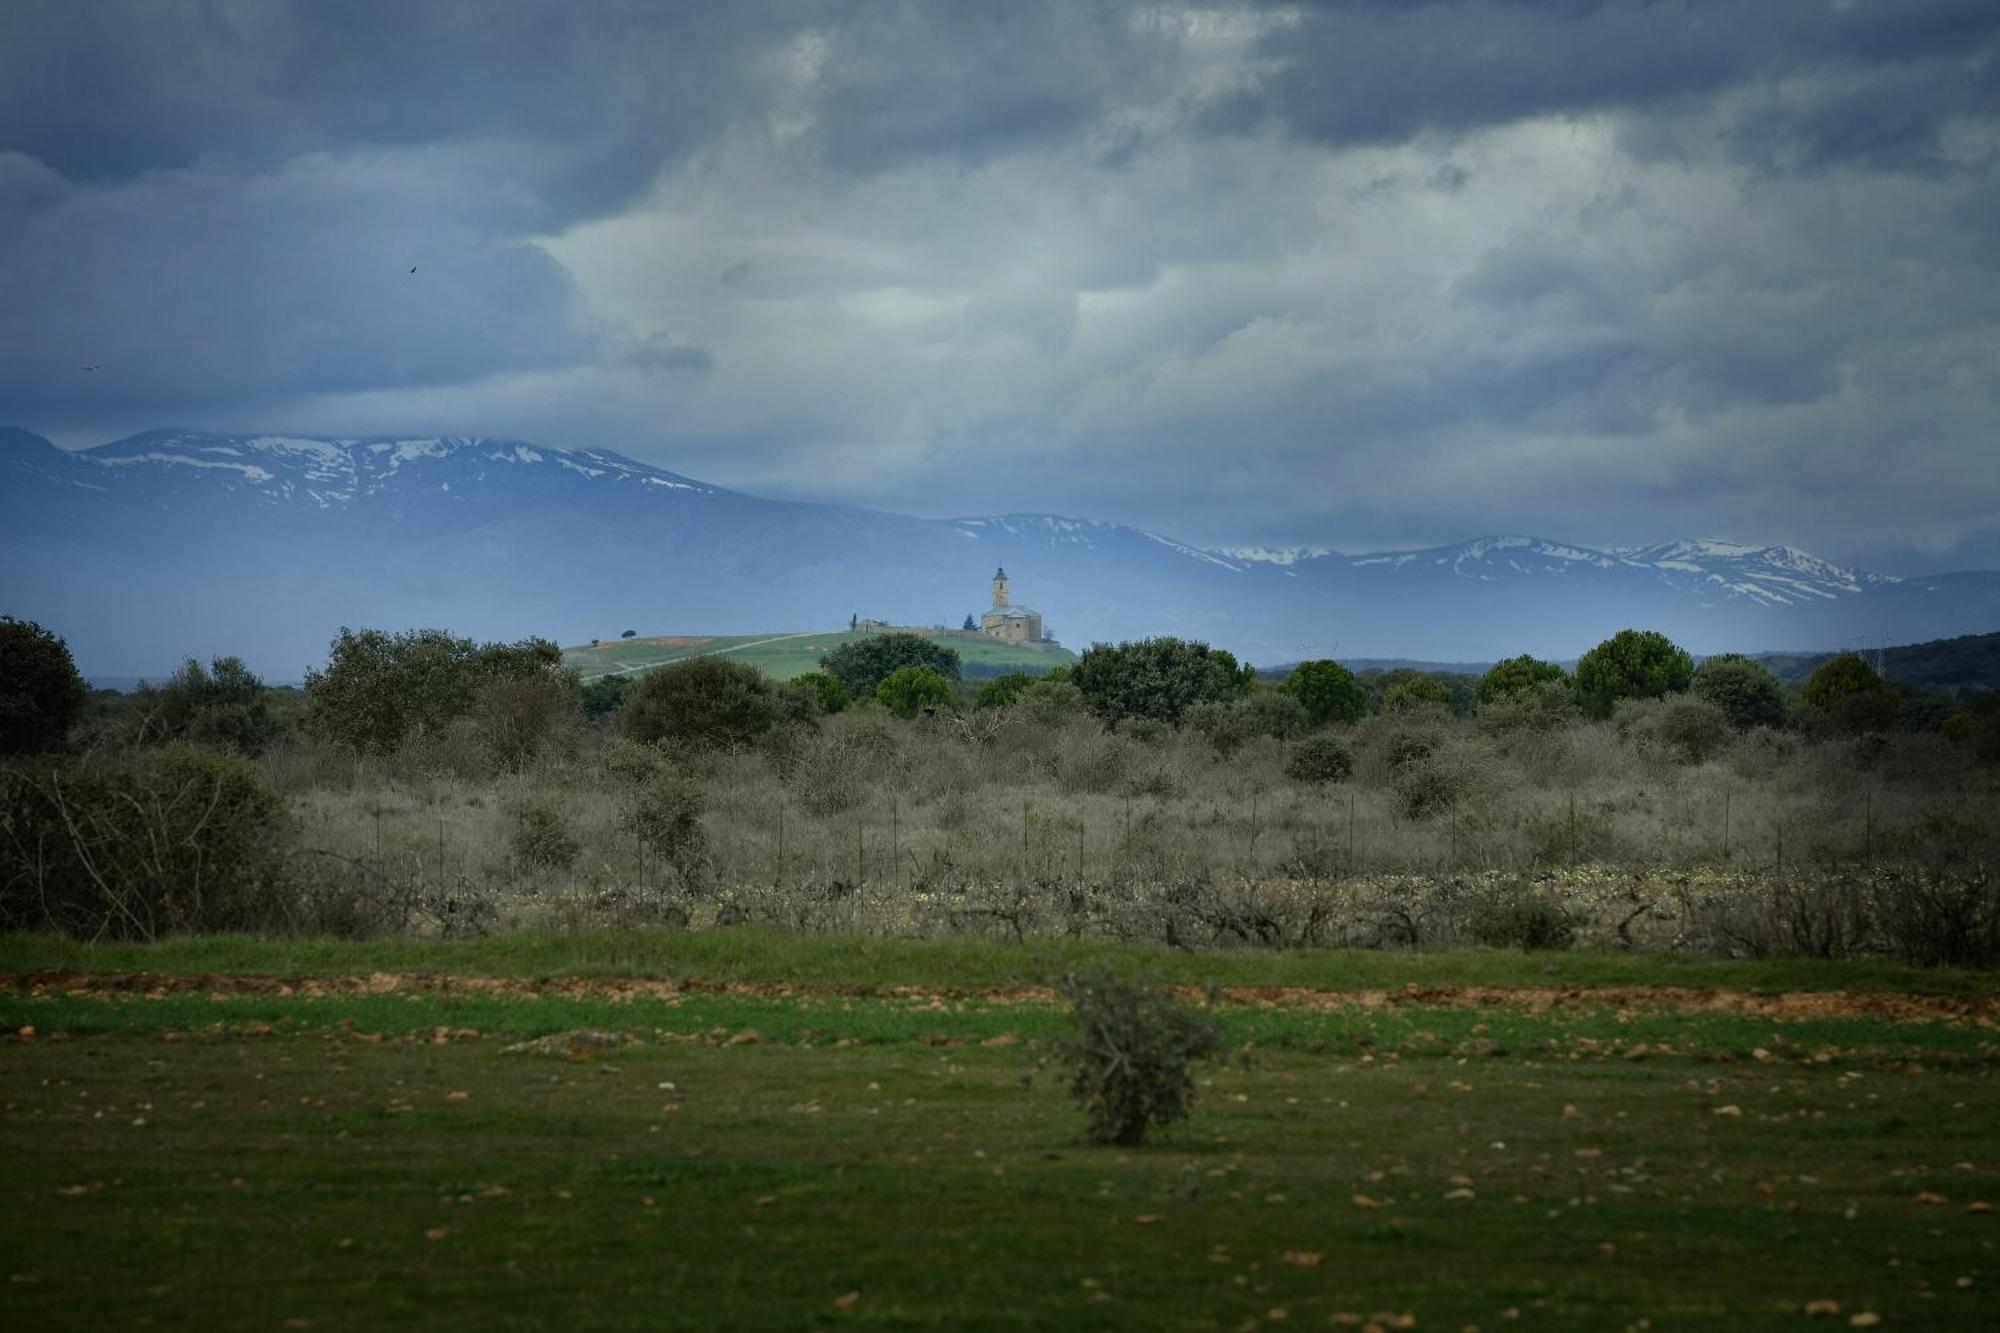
1007	621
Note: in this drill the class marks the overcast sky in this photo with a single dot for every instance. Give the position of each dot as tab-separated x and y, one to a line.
1353	274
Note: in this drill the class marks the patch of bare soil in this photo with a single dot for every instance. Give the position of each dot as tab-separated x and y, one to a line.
1777	1005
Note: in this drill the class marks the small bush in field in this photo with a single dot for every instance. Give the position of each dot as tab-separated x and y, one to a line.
1518	920
1130	1050
1321	758
542	838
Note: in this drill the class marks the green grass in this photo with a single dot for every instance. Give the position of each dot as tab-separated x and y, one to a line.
785	654
266	1161
757	954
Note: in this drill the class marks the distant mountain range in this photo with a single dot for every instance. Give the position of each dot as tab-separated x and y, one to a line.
173	543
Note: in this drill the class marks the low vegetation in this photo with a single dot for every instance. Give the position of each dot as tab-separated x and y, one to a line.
1157	792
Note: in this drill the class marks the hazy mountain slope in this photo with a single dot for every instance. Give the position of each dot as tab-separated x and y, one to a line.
176	542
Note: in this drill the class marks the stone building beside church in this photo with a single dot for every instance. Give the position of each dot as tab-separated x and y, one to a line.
1007	621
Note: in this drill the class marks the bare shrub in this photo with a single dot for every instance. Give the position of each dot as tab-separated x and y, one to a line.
1687	727
541	837
1088	759
665	815
171	840
1513	917
1940	917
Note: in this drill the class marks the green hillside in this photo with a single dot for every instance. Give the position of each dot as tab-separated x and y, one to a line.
785	655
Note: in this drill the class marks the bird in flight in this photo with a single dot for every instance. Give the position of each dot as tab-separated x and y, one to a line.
413	268
93	367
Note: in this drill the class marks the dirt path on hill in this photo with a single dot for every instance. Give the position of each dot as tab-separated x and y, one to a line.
1778	1005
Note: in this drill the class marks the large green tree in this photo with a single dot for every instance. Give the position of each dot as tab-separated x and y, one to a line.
1328	690
1514	676
377	688
1748	695
41	693
1631	664
703	703
909	690
864	664
1851	691
1158	678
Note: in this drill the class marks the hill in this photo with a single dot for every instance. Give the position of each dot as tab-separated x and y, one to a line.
1968	662
783	656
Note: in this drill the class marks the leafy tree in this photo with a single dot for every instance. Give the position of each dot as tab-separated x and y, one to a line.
1003	690
1420	690
224	705
41	693
1631	664
1748	695
629	634
1848	690
970	623
604	696
1274	714
829	695
1158	678
863	665
702	703
379	688
909	690
1328	690
1515	675
517	714
1840	679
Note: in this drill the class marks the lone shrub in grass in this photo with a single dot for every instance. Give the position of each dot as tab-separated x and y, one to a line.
1319	758
1129	1049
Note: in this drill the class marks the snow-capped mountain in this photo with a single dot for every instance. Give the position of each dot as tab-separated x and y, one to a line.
177	542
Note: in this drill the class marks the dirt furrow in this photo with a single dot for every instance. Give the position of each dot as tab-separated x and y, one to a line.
1894	1006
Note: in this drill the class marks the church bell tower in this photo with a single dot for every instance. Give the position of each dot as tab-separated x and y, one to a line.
999	587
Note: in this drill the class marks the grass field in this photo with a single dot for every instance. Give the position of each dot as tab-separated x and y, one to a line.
782	656
823	1132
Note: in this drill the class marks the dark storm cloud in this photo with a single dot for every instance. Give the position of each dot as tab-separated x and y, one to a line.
1890	75
1347	272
